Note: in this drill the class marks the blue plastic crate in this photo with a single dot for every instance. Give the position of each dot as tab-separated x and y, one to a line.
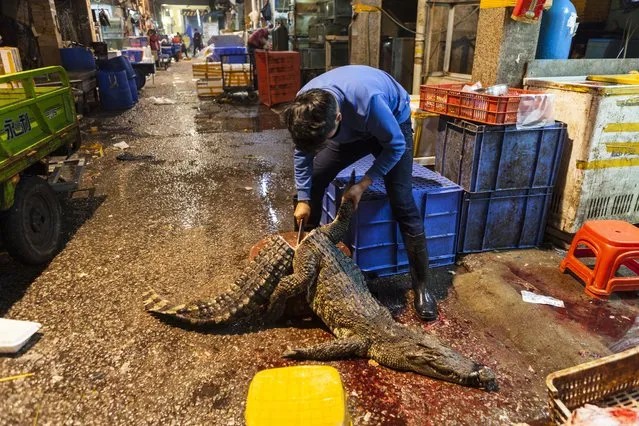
484	158
238	54
499	220
375	238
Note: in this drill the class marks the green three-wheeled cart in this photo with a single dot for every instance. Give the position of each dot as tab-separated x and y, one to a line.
39	134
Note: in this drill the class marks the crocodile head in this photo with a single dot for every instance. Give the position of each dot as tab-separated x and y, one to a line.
444	363
430	358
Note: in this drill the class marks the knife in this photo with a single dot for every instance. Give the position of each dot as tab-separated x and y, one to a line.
300	232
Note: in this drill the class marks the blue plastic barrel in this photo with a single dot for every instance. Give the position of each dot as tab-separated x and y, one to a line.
77	59
558	27
119	63
115	92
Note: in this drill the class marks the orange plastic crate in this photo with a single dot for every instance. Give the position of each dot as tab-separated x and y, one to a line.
448	99
278	76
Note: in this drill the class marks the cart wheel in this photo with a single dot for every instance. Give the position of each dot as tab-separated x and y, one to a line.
32	227
252	96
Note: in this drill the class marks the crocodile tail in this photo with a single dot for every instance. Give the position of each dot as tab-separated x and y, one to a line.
153	302
247	297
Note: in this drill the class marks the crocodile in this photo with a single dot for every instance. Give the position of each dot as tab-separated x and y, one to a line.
336	291
247	298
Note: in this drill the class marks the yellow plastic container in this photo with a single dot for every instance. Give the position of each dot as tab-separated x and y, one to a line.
308	395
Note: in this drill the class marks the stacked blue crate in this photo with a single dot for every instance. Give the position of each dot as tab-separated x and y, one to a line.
375	239
508	176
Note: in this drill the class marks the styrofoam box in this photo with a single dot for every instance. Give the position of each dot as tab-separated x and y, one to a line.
14	334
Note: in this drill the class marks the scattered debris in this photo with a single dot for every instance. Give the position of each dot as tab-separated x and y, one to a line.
532	370
373	363
127	156
161	101
19	376
121	145
95	149
55	379
94	129
367	416
530	297
452	272
248	188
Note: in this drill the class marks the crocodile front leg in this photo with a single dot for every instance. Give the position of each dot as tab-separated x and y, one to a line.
335	349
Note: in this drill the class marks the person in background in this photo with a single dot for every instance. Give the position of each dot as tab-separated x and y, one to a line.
257	40
342	116
197	41
177	39
185	41
154	44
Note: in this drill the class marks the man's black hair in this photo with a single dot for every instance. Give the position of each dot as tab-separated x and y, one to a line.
310	118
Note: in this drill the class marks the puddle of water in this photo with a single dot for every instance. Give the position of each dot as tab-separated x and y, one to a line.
210	120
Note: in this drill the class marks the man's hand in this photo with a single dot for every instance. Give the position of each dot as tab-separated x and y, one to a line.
302	211
356	191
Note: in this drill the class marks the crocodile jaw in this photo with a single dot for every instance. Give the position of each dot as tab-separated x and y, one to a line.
436	361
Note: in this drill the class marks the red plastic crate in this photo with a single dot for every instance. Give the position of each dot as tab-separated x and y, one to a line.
448	99
278	76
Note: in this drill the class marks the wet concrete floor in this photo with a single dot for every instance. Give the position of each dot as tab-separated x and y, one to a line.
183	224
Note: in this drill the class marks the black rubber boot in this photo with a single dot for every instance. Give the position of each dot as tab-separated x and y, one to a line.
425	303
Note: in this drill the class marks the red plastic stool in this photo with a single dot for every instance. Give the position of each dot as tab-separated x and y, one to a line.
614	243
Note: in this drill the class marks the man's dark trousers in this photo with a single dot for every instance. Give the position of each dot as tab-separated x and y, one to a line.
335	157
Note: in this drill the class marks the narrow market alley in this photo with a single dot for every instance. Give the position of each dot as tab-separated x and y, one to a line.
182	222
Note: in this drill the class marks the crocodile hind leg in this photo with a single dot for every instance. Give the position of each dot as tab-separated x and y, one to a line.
328	351
305	268
289	286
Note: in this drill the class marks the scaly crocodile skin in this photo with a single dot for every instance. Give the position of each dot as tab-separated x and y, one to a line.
246	298
336	290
